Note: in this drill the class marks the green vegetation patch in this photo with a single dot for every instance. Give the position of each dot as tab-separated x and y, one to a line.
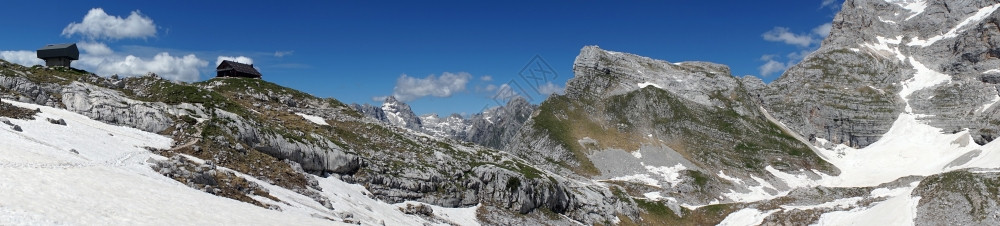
715	135
11	111
657	213
56	75
567	131
243	85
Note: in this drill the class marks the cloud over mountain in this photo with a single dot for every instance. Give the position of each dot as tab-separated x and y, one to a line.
99	25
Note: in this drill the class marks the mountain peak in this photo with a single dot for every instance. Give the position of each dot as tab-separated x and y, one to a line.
399	113
604	73
390	100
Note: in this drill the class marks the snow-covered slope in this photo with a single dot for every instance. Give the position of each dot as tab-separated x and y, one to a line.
110	182
909	148
938	99
453	126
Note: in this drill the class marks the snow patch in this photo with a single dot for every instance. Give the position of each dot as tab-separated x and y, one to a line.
193	159
990	104
882	47
880	91
644	84
886	21
730	179
671	174
749	216
922	79
652	195
314	119
456	216
978	16
839	203
641	178
795	180
916	7
356	199
762	191
901	209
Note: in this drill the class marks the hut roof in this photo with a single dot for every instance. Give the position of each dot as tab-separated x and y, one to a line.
239	67
59	50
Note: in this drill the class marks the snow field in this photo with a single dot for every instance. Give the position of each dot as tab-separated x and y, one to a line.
110	183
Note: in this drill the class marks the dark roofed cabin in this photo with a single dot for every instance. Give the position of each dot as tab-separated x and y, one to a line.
59	54
236	69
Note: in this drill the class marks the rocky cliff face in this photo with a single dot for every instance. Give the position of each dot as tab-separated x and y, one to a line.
496	127
400	114
374	112
959	198
884	58
453	127
492	128
600	73
392	112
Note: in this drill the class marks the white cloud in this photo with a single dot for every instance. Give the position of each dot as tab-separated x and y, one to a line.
488	89
99	58
410	88
99	25
797	56
806	43
238	59
771	67
829	3
823	30
486	78
22	57
166	66
283	53
782	34
95	48
163	64
505	92
550	88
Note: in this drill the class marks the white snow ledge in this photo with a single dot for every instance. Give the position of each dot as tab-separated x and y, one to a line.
314	119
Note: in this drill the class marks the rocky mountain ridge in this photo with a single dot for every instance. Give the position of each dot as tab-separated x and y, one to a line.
222	121
883	123
492	128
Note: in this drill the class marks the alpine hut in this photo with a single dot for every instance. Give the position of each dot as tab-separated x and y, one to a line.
236	69
59	54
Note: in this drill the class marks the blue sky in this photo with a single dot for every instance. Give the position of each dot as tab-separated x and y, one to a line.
439	56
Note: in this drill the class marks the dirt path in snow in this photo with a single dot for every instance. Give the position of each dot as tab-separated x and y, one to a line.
189	143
